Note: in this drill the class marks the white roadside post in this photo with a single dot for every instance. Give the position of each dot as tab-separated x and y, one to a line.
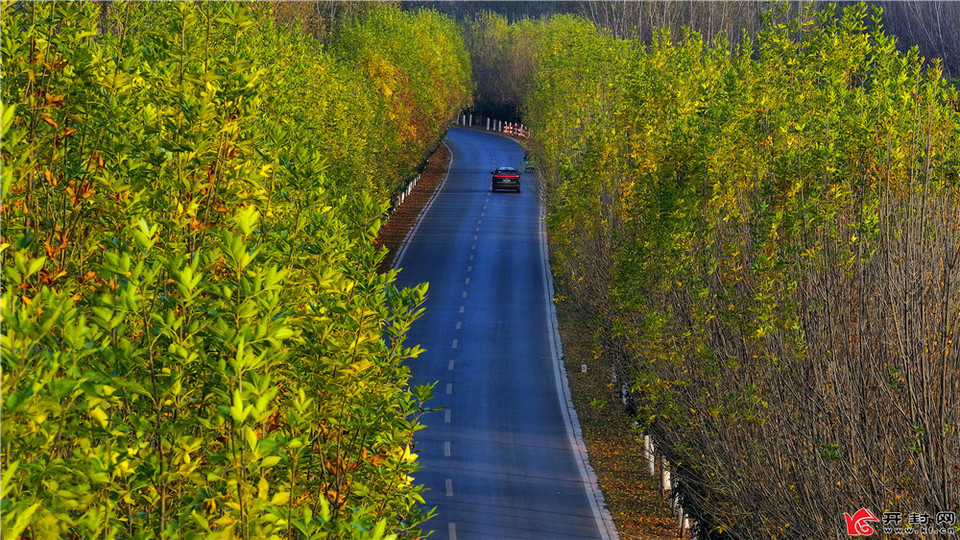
665	476
648	453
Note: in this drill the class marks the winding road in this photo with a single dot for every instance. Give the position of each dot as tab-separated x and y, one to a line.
502	459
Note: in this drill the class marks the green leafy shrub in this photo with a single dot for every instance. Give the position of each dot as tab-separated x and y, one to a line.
196	341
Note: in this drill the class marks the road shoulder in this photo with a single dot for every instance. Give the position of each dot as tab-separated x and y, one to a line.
633	497
397	228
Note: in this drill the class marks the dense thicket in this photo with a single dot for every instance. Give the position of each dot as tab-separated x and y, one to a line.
930	25
768	239
195	337
500	68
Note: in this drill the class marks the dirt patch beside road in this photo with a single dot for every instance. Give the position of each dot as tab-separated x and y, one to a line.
636	504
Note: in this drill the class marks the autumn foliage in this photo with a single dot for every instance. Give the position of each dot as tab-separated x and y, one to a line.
196	341
766	237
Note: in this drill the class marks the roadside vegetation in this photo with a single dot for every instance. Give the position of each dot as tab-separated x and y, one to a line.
764	238
196	341
633	497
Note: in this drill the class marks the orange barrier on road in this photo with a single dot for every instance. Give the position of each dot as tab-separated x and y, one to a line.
492	124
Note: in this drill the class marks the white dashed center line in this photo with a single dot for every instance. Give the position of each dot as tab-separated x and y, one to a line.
461	309
449	388
450	366
464	294
455	344
446	449
446	416
466	281
449	483
452	531
459	325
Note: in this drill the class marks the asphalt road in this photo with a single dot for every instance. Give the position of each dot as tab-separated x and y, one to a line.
499	460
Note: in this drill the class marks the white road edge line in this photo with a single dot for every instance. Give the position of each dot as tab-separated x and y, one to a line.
426	209
605	525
